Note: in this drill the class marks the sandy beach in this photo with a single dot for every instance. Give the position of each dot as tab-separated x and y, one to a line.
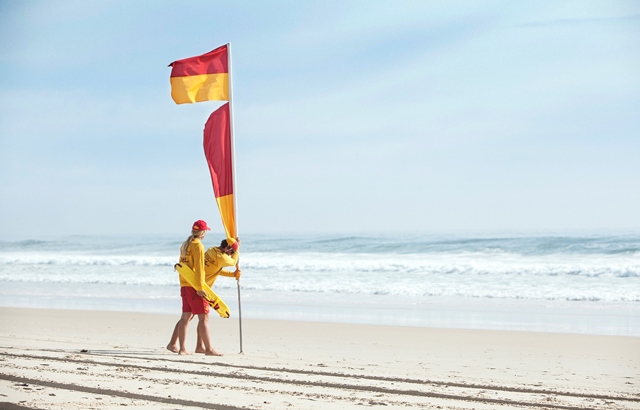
66	359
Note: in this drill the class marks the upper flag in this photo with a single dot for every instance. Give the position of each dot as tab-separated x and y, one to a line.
201	78
219	153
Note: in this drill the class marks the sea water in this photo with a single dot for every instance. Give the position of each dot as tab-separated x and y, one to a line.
531	282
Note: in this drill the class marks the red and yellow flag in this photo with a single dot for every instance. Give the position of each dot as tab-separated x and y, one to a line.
219	153
201	78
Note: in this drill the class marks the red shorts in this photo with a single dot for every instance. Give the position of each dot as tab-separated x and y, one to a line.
192	302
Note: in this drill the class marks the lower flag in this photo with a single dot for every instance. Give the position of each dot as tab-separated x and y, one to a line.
218	150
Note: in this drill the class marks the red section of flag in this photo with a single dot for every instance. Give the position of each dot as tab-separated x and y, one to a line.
213	62
217	150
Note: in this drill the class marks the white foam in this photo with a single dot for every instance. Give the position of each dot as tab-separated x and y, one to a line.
491	273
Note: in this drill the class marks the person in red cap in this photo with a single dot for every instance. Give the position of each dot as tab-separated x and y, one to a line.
193	299
215	259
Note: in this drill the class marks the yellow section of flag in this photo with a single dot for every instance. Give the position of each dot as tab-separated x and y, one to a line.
197	88
228	215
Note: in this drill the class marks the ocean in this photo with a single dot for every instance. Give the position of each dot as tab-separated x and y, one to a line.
586	284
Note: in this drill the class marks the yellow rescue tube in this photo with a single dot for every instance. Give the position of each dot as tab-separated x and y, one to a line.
214	300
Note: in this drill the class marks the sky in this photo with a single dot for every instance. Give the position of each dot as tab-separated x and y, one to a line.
349	116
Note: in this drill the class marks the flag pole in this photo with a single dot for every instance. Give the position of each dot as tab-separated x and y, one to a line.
233	170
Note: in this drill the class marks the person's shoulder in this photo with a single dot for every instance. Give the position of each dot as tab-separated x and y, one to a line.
214	250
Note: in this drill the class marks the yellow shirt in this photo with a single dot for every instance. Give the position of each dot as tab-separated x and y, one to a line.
214	261
194	259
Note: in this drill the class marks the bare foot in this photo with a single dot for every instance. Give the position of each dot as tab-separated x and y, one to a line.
183	352
213	352
200	350
173	348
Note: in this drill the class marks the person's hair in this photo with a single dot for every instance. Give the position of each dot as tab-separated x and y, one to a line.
224	246
194	234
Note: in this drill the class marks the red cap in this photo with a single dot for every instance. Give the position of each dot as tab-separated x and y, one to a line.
200	225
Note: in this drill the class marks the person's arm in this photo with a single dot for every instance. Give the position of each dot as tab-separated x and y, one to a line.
227	274
235	274
228	260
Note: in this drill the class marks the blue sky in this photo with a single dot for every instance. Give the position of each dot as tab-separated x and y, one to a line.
349	116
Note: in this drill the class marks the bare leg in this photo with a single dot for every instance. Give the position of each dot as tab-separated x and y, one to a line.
173	343
200	348
182	331
203	331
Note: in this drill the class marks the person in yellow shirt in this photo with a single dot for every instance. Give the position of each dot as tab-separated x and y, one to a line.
219	257
193	301
214	260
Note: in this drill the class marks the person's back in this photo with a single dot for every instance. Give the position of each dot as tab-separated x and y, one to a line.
193	258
